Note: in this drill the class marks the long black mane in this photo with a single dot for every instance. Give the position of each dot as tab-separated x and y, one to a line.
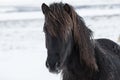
89	59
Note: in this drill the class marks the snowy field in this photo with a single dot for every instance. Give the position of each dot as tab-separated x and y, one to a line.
22	44
22	49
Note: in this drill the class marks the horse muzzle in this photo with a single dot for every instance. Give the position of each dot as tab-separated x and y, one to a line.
53	67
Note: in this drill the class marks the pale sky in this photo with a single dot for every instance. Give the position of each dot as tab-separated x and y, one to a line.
25	2
39	2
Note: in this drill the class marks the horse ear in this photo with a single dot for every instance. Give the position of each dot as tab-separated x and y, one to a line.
67	8
45	8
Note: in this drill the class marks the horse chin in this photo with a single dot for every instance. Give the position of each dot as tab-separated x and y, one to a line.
55	71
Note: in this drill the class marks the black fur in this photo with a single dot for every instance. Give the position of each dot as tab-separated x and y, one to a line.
72	50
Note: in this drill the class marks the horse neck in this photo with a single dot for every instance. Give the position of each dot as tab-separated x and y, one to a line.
77	64
75	69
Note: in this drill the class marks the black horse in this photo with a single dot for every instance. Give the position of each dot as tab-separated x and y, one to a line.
72	50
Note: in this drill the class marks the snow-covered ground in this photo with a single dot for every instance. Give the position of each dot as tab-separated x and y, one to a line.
22	44
22	48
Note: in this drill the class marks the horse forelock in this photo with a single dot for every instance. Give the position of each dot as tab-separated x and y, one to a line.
59	22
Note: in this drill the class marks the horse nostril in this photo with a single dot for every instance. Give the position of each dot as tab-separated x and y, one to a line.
57	65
